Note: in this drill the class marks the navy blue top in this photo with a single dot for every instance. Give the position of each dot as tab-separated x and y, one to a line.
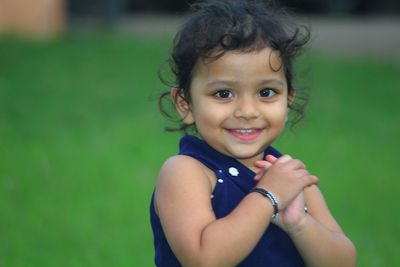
234	180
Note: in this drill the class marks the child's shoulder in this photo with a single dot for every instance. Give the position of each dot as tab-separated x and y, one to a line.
184	171
180	163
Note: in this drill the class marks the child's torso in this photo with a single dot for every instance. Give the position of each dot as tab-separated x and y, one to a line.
230	182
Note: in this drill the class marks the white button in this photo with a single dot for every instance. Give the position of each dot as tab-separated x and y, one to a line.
233	171
212	196
220	171
220	181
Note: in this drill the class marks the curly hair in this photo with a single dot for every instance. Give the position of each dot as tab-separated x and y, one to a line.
217	27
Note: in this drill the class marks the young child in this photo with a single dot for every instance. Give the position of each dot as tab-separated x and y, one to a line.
228	198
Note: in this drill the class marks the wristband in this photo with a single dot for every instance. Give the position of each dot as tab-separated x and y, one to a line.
270	196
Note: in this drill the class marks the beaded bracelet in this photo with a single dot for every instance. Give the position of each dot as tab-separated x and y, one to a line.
270	196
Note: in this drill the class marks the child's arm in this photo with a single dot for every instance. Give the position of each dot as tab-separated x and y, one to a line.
316	234
196	237
318	237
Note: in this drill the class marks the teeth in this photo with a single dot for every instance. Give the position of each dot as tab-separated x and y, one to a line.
245	131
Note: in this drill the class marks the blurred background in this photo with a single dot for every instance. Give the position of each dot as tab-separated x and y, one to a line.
81	138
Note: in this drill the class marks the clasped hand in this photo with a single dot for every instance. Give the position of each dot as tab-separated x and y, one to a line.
286	178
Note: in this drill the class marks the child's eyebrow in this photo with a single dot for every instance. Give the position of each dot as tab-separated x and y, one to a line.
221	82
273	81
234	83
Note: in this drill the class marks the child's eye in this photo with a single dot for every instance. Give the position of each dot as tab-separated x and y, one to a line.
267	92
223	94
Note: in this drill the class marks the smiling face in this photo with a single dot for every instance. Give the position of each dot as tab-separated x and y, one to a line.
239	104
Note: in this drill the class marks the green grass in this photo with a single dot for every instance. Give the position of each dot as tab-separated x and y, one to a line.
81	142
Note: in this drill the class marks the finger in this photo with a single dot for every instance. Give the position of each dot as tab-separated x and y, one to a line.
284	158
259	175
316	179
299	164
262	164
311	180
296	164
302	172
271	158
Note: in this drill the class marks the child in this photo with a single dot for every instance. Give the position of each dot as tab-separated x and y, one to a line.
228	198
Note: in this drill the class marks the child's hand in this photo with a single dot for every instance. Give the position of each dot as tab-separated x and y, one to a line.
264	165
293	214
285	178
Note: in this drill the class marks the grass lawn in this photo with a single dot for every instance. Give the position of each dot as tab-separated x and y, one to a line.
81	142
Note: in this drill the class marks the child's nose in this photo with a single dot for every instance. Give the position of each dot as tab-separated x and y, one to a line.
246	108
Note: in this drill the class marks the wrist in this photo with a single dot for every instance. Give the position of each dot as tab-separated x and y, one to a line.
298	227
270	196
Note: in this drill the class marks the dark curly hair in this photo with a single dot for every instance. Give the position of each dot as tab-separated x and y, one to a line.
217	27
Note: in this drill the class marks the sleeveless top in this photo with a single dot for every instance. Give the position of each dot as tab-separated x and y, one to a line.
234	180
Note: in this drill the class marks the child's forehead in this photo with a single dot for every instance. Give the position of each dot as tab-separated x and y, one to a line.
250	68
266	55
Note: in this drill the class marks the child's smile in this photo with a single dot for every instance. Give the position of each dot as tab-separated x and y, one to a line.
245	134
239	103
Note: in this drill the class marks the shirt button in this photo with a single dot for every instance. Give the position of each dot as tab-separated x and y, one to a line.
233	171
220	181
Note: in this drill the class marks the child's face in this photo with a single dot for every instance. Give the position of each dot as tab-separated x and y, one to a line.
239	103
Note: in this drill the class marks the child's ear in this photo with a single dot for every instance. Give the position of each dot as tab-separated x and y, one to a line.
182	106
291	97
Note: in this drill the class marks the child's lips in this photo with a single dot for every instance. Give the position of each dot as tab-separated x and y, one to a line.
247	134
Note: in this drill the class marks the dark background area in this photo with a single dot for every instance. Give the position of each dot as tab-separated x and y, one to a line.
114	9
